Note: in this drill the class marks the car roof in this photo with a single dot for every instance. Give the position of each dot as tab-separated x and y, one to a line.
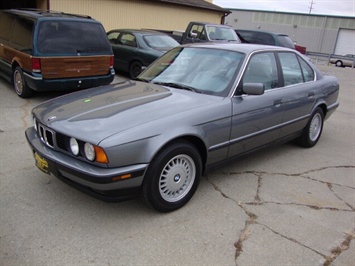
246	48
269	32
37	14
140	31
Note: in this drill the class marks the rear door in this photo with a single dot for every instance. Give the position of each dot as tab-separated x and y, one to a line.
298	92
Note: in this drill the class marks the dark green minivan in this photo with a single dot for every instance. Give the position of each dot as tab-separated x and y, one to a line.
46	50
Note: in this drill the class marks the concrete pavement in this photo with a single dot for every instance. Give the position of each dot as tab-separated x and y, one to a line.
283	206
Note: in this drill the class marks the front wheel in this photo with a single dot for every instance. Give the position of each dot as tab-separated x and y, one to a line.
20	86
172	177
312	132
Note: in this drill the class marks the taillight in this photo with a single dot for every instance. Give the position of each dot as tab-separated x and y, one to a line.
111	62
36	65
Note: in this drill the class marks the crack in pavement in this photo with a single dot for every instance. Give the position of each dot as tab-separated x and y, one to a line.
252	218
335	252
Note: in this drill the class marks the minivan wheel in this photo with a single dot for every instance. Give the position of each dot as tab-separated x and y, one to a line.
173	177
312	132
19	83
135	69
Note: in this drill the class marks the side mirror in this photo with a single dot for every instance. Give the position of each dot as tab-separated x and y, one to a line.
253	88
193	34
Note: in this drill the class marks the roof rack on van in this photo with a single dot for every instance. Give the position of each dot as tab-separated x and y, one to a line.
49	12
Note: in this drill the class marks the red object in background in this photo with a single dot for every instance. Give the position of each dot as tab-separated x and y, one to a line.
300	48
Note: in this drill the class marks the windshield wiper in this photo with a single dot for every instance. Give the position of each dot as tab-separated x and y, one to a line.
178	86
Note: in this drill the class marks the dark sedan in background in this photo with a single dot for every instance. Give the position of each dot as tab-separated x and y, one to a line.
134	49
195	107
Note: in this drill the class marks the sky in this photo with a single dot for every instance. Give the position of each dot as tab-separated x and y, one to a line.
323	7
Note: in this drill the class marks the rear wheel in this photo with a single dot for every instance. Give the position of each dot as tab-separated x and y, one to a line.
19	83
172	177
312	132
135	69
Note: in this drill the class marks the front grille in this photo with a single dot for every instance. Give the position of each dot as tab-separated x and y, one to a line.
54	139
62	141
59	141
46	135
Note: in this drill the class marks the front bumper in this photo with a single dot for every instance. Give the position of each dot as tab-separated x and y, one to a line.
93	180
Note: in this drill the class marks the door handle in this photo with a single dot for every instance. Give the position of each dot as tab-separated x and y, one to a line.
278	102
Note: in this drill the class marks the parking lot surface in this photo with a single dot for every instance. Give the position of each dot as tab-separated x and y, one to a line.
284	206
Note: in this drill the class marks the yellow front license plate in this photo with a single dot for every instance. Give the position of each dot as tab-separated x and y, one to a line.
41	163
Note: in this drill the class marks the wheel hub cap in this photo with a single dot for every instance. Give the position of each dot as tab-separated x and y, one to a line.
177	178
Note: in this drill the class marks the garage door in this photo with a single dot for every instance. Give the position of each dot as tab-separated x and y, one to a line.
346	42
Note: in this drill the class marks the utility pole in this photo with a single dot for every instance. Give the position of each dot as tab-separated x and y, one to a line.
311	7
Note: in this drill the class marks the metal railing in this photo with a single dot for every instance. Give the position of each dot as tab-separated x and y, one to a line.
324	59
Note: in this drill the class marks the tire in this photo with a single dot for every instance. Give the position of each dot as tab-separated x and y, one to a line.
339	63
135	69
19	83
312	132
173	177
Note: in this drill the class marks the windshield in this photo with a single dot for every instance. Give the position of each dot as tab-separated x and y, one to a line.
72	37
221	33
206	70
160	41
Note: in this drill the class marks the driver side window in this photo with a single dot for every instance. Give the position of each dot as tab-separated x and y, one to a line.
262	69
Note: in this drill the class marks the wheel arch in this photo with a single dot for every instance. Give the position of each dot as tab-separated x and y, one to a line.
15	63
194	141
322	106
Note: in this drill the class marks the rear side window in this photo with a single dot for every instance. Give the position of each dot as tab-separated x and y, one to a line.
307	71
22	35
6	22
72	37
112	37
291	69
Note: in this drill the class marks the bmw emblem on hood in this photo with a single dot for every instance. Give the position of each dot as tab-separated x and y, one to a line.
51	118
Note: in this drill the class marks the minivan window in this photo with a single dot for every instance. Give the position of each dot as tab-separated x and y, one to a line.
6	26
71	37
264	38
286	41
22	35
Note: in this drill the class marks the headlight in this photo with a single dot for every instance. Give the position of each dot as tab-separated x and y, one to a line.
74	146
89	151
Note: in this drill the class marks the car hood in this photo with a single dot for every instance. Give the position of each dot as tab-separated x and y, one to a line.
97	113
